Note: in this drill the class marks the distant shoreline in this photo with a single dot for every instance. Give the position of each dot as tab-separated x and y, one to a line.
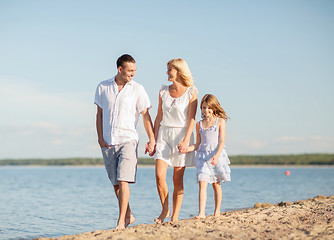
236	160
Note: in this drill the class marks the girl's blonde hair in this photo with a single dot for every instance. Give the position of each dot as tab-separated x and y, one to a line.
182	67
213	103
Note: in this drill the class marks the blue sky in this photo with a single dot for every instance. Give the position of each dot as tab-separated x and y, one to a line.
270	63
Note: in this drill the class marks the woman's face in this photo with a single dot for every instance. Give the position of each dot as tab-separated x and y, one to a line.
171	73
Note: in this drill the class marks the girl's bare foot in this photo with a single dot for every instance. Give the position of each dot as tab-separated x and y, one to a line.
161	218
199	216
129	220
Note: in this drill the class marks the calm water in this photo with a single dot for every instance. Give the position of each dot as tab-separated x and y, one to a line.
54	201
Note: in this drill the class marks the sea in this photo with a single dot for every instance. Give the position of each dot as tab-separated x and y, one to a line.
57	201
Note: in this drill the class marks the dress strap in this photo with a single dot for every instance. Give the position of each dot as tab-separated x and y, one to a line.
216	123
200	124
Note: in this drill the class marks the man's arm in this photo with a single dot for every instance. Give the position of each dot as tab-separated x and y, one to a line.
99	128
149	130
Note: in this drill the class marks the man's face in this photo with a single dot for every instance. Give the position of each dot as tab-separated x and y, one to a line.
127	71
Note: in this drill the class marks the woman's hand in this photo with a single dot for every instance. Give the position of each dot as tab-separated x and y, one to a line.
150	148
182	147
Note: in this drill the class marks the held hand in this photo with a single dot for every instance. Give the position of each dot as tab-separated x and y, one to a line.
150	148
214	160
182	147
103	144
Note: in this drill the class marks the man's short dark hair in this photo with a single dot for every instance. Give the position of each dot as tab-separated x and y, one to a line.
124	58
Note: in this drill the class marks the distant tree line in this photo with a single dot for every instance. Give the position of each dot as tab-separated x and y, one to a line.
298	159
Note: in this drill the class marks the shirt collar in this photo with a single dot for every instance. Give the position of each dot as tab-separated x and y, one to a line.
114	82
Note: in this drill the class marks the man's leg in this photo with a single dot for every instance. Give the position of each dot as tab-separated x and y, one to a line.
123	203
126	173
129	218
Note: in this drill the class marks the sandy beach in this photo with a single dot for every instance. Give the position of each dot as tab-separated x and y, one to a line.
305	219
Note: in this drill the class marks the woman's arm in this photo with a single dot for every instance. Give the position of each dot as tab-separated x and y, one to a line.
221	140
198	139
183	146
158	119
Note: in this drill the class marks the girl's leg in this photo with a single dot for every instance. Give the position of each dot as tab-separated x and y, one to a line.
178	191
160	175
218	197
202	199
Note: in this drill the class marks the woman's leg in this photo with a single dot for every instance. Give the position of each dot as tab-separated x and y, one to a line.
178	191
218	197
202	199
160	175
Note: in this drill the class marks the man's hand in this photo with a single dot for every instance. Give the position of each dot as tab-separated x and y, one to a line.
150	148
103	144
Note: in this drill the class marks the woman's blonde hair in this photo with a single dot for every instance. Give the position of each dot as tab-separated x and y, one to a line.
213	103
182	67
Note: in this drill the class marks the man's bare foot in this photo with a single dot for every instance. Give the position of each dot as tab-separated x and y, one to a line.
162	217
129	220
199	216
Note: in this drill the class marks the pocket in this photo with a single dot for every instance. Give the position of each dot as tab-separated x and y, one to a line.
104	151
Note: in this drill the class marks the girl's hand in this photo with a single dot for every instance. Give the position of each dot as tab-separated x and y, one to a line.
214	160
182	147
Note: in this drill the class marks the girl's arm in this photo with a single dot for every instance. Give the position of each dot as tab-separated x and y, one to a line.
221	141
183	146
198	139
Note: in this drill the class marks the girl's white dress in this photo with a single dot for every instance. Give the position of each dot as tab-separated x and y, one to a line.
206	150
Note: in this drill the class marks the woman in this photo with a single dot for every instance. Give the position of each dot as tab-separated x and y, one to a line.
173	129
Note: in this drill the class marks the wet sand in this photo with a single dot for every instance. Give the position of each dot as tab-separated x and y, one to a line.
305	219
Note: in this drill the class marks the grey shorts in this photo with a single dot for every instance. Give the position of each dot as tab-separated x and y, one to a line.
120	162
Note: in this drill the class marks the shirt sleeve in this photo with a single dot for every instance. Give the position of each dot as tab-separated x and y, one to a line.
143	101
98	98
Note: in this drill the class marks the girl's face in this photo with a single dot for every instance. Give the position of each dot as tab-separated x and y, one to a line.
171	73
206	110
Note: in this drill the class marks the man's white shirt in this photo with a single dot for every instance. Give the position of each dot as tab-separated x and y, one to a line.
120	110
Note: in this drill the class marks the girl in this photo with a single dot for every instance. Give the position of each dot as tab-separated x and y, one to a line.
173	129
211	157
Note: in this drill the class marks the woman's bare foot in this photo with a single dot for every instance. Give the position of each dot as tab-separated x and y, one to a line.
120	227
217	214
129	220
174	219
161	218
199	216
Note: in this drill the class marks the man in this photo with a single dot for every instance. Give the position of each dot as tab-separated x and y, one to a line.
120	101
